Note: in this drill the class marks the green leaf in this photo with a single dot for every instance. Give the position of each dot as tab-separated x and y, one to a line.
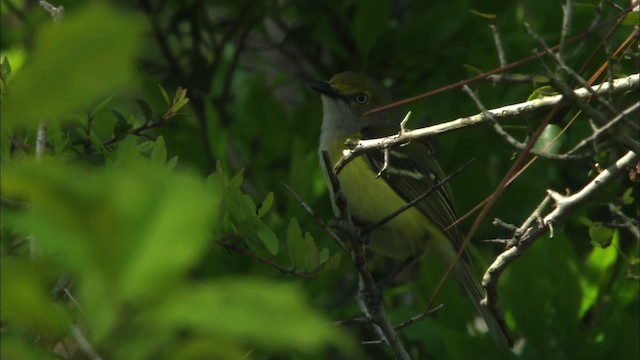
585	221
177	106
632	18
165	96
598	265
273	316
74	62
541	92
236	180
332	263
146	109
268	238
323	255
627	197
551	140
159	151
303	251
102	104
25	300
472	69
129	232
483	15
600	235
5	67
266	205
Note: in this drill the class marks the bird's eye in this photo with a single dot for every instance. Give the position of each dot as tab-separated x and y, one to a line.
361	98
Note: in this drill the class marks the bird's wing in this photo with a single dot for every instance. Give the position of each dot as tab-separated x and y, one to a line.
412	170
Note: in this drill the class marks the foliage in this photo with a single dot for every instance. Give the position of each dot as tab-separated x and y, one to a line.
156	226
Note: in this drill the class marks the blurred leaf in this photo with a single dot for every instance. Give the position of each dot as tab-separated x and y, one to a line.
627	197
146	109
127	151
540	80
268	238
122	126
598	265
177	106
332	263
74	62
472	69
303	251
159	151
542	92
632	18
544	295
266	205
165	96
17	347
98	108
181	94
585	220
551	140
323	255
274	316
5	67
486	16
25	298
601	236
133	227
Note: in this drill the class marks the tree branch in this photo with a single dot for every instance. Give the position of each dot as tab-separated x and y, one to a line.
355	148
368	298
565	205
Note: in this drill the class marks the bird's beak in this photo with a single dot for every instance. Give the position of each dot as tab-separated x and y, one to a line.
324	88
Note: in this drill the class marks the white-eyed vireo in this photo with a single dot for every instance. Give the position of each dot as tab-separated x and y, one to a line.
412	170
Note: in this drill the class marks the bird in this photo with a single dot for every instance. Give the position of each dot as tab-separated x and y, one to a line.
408	171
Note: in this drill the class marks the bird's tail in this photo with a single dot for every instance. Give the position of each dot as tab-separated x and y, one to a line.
497	327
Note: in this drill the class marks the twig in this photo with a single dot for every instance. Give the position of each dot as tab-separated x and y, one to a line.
565	205
628	223
498	42
563	66
317	218
56	12
419	317
242	251
599	131
41	139
84	344
567	18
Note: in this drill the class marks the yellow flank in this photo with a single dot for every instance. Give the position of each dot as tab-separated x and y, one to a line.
370	199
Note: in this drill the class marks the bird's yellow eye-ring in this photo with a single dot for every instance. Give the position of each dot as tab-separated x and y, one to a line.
361	98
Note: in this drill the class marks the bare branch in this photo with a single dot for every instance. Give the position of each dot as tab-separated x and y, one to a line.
565	205
599	131
41	139
510	139
56	12
627	223
567	18
356	148
368	298
84	344
419	317
498	41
